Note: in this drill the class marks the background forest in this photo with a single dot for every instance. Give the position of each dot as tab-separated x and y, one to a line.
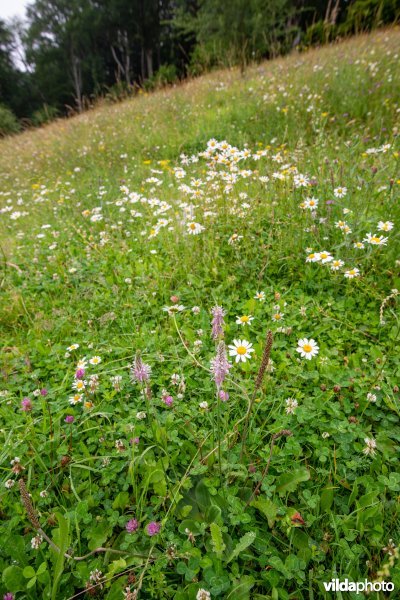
70	52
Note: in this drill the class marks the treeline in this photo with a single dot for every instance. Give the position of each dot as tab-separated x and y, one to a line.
70	52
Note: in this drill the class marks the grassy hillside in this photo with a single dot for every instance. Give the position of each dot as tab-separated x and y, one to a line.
274	196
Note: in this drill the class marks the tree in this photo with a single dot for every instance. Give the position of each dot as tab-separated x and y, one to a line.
59	42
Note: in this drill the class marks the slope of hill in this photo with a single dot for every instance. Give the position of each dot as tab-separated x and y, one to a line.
146	244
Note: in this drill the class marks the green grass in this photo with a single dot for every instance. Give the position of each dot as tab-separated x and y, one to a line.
243	512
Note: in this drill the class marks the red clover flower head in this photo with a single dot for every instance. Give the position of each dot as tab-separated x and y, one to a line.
26	405
153	528
131	526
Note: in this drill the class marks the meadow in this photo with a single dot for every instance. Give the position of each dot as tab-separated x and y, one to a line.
199	288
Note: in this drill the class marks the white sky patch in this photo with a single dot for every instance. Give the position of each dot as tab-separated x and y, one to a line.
12	8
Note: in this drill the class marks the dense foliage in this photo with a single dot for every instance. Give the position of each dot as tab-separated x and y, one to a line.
145	244
74	51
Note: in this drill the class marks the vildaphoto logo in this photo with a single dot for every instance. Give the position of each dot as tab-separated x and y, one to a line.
335	585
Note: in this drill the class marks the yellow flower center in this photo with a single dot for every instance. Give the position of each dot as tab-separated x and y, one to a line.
375	239
307	348
192	226
241	350
277	316
244	319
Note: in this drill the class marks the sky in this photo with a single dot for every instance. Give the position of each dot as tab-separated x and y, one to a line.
12	8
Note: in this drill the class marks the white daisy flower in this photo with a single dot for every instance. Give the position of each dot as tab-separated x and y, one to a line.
376	240
325	257
75	399
241	350
259	296
336	264
95	360
301	180
244	320
79	385
175	308
340	192
194	228
307	348
311	203
351	273
278	316
313	257
385	225
73	347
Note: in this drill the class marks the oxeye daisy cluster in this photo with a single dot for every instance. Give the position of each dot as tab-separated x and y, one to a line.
325	257
84	385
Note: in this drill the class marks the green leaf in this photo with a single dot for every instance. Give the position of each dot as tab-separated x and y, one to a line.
42	568
121	500
213	513
244	542
300	539
217	541
13	579
203	496
186	510
278	565
14	546
115	567
61	539
267	508
28	572
192	526
326	499
288	482
98	535
31	583
241	589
